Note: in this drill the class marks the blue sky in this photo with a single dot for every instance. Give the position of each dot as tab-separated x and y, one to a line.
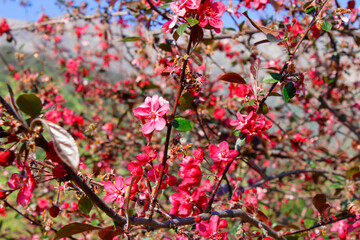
11	9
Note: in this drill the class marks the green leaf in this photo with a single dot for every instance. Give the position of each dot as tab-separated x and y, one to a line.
185	101
309	223
307	4
326	26
181	29
181	124
74	228
310	10
252	101
132	39
165	5
192	21
289	91
29	104
85	205
272	77
165	47
237	133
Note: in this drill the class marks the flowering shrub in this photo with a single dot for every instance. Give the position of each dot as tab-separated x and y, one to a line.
251	123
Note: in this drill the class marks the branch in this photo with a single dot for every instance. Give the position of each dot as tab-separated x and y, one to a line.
168	133
208	205
295	172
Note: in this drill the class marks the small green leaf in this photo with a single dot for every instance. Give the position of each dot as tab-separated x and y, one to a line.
192	21
237	133
181	124
181	29
307	4
131	39
29	104
272	77
165	47
185	101
310	10
309	223
326	26
251	102
165	5
85	205
289	91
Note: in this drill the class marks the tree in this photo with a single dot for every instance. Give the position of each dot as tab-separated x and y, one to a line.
166	122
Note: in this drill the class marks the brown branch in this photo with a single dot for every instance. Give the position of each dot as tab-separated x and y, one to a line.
168	133
211	200
295	172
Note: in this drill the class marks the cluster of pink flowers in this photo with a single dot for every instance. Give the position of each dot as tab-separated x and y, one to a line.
252	125
210	229
151	114
186	202
258	4
209	12
24	181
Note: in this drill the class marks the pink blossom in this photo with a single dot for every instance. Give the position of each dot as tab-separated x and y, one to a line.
26	182
73	65
210	13
184	202
150	113
146	157
210	230
252	125
222	152
191	4
114	192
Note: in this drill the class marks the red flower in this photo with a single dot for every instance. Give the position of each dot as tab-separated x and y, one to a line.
24	180
6	158
210	13
252	124
222	152
4	27
114	192
151	112
210	230
184	203
146	157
